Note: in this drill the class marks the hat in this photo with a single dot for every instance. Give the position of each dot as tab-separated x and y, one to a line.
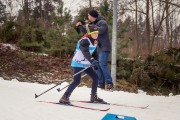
91	29
93	13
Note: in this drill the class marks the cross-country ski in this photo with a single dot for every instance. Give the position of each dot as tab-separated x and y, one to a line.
77	106
115	104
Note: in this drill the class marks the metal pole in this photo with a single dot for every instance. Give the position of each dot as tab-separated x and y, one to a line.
114	43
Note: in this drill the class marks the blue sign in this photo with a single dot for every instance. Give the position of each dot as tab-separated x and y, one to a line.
110	116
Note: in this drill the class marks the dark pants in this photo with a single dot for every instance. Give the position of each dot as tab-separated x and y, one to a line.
103	71
77	79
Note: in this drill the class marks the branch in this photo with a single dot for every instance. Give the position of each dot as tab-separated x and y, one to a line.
177	5
134	10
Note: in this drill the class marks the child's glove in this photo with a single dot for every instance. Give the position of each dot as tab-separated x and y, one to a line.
95	64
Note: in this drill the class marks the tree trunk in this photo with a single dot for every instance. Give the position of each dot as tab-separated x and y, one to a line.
137	35
167	24
26	10
148	27
90	3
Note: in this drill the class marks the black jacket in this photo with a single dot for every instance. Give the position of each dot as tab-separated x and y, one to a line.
103	38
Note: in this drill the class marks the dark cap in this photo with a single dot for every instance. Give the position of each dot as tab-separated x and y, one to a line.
93	13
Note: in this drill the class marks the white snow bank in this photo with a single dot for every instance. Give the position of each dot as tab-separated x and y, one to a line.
17	102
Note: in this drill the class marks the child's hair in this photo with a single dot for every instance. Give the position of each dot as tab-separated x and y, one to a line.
86	35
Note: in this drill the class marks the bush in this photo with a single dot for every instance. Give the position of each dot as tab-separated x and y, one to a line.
35	47
32	40
8	33
124	69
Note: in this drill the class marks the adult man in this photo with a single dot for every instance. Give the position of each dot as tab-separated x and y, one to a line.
103	48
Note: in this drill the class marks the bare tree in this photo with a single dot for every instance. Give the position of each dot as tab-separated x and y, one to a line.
137	31
2	12
167	23
148	26
90	3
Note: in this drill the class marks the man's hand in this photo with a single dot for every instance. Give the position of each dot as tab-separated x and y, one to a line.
78	24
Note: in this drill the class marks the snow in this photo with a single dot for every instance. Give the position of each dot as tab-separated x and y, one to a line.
10	46
17	102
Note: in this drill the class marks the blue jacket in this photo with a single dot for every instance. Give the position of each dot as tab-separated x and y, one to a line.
103	38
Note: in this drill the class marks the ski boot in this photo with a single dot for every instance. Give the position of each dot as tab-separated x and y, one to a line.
95	98
64	99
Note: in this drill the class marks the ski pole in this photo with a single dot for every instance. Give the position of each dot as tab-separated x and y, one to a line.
60	89
51	88
66	79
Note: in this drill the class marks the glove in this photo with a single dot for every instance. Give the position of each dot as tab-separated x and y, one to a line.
95	64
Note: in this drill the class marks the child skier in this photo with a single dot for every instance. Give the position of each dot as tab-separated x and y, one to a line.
82	59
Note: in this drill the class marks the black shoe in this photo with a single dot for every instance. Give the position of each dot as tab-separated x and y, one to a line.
64	99
109	86
95	98
101	86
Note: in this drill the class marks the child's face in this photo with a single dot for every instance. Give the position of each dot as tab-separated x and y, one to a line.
94	35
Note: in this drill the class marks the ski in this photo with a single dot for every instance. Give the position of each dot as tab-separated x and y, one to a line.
77	106
115	104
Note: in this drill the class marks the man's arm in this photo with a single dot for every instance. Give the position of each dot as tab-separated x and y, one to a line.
102	26
81	28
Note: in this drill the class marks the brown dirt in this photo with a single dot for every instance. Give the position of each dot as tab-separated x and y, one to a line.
32	67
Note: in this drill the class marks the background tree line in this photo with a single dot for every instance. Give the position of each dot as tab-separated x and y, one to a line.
146	28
